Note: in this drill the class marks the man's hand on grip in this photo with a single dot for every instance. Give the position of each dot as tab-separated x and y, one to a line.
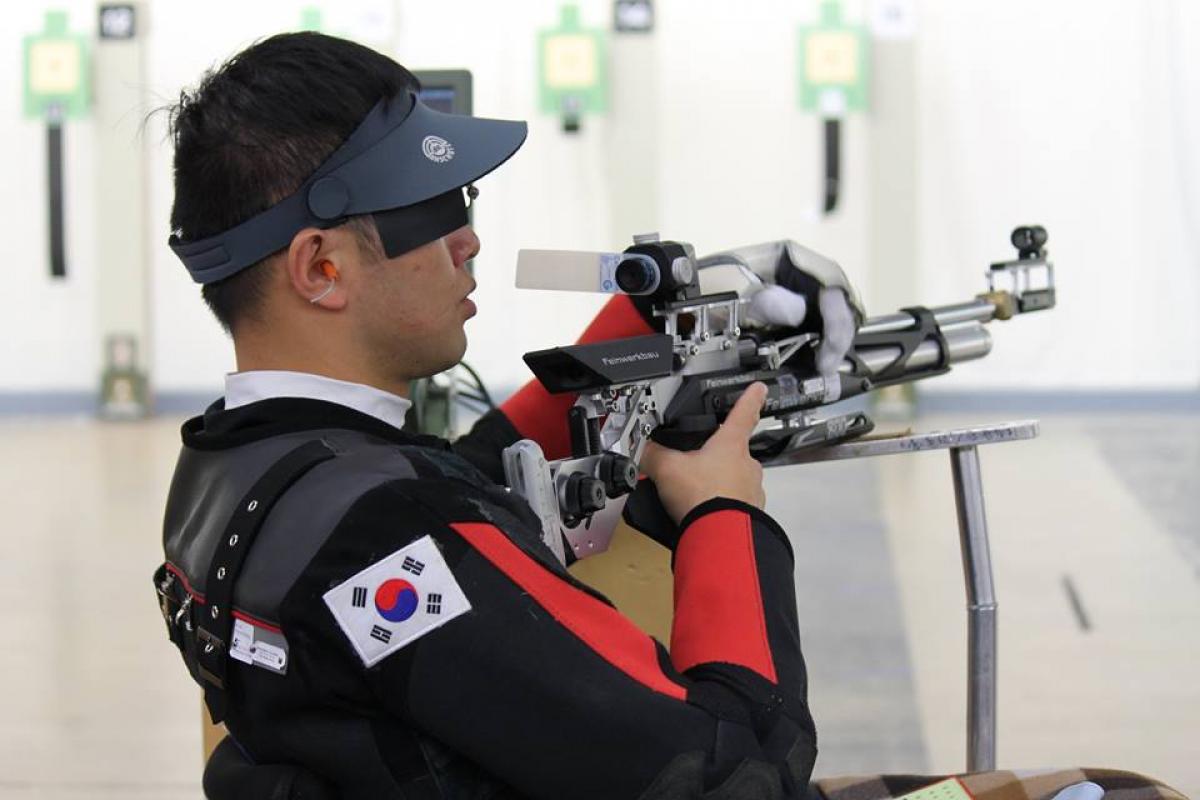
723	467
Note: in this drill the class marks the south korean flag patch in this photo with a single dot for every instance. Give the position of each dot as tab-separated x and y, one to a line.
397	601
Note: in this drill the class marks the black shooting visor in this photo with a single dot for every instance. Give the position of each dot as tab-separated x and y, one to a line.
403	156
407	228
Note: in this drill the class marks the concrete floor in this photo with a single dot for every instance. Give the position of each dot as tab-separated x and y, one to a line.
97	705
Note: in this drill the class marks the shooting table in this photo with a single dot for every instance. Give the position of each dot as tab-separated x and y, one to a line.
963	444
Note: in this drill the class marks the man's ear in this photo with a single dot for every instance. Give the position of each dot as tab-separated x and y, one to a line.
313	267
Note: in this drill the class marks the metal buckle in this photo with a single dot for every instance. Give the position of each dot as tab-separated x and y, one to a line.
181	616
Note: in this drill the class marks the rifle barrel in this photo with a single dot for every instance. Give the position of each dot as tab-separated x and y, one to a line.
972	311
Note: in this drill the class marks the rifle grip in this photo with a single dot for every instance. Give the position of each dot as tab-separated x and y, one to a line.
688	433
644	512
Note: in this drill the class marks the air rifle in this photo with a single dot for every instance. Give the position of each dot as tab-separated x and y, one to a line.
676	387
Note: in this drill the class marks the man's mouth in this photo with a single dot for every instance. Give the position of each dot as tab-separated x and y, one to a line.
468	302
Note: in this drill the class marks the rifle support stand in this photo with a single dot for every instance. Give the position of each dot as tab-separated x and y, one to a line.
963	444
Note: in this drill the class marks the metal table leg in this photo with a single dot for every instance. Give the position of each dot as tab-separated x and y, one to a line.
981	610
977	561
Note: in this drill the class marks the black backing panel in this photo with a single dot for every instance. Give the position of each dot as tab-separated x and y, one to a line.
54	179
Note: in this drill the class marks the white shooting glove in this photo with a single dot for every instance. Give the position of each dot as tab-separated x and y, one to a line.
790	286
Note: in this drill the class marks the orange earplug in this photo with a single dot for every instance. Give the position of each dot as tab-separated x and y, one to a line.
331	273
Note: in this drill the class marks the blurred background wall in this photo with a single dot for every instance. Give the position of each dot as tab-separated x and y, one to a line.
1082	115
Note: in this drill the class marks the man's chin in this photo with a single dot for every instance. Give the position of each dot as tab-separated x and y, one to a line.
439	354
452	358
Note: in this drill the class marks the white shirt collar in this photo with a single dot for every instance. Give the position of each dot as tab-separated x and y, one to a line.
243	388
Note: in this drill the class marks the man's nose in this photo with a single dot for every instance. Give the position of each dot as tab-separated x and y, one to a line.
464	245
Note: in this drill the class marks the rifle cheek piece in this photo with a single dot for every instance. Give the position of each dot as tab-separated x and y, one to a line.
590	367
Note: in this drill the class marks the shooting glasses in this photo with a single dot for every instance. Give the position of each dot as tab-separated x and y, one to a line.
405	163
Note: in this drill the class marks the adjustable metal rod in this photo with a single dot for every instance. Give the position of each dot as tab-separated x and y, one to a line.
981	610
976	555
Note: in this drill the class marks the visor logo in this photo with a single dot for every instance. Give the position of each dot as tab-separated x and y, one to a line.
437	149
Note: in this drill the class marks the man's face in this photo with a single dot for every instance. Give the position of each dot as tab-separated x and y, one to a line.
412	308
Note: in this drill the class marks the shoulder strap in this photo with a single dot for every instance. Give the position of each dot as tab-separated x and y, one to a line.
215	625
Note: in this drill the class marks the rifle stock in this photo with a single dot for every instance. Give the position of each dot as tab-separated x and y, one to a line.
677	387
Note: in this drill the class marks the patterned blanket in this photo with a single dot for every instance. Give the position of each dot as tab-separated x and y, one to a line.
998	785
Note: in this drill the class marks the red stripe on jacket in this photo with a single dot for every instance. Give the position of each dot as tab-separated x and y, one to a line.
602	628
718	602
541	416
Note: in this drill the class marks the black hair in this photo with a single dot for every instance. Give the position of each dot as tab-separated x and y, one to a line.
256	128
